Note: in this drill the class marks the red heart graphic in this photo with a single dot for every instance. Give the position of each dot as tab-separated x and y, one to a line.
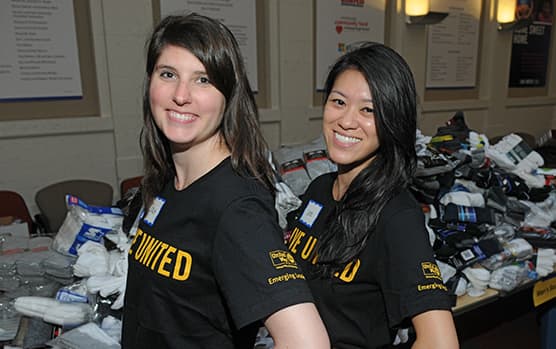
339	29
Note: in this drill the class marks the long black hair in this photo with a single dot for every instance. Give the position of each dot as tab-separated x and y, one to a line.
394	101
215	46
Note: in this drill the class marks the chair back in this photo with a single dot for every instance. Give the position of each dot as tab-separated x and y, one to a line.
129	183
12	204
52	204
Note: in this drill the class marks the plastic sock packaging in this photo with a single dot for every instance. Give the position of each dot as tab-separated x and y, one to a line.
112	327
53	311
432	164
513	154
316	158
463	199
496	199
504	231
538	237
546	259
517	210
520	248
285	202
509	277
421	142
509	151
89	336
291	167
478	280
93	259
85	223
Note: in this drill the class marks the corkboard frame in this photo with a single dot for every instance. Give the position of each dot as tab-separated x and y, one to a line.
88	105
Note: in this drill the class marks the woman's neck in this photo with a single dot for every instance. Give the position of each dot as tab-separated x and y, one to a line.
346	175
341	184
194	162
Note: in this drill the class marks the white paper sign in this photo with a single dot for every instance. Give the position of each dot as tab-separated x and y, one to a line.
238	15
340	23
39	57
453	46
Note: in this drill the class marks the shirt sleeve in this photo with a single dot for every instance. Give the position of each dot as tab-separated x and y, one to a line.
410	278
254	270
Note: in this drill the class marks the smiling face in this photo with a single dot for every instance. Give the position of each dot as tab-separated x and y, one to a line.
349	122
186	107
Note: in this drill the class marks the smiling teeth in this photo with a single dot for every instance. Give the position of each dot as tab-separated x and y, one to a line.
181	116
346	139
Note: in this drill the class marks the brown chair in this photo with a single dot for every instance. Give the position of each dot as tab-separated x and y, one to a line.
51	200
129	183
13	205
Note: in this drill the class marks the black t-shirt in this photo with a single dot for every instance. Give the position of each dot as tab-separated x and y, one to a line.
394	278
205	262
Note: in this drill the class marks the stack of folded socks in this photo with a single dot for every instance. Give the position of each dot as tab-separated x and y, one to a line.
546	259
452	137
509	277
513	154
478	280
458	213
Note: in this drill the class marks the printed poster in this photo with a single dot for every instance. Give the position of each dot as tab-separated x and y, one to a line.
39	58
531	44
341	23
238	15
453	46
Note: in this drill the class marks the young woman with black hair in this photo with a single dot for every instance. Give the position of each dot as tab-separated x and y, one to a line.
359	235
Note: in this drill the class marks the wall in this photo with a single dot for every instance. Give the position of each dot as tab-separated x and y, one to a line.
106	146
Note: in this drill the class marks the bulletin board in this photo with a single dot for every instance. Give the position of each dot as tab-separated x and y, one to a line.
88	105
531	51
463	18
337	25
262	96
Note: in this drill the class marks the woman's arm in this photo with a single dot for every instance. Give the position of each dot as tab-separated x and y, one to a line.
298	326
435	329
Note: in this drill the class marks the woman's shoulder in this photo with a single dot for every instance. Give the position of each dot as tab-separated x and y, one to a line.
403	201
324	180
225	183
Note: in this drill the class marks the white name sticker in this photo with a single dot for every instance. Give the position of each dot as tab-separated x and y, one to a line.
310	213
154	210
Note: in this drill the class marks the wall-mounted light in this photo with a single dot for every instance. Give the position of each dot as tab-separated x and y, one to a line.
506	16
418	12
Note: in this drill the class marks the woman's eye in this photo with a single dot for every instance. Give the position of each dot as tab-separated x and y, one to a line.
203	80
167	75
337	101
368	110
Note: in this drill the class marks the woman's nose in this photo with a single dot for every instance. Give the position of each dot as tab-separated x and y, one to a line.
182	94
348	119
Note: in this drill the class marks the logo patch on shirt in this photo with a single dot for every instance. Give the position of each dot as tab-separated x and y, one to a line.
154	210
310	213
282	259
431	270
